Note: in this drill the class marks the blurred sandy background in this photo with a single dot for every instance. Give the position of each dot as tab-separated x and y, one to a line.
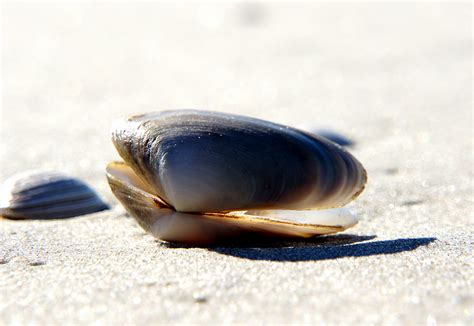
395	78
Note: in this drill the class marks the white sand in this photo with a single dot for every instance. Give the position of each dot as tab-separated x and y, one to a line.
397	79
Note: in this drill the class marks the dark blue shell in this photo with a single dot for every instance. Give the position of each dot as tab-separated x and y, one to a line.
47	195
335	137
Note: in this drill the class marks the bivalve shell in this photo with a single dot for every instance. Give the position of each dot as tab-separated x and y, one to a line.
198	177
47	195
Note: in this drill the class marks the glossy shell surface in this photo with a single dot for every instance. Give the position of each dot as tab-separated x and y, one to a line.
200	161
47	195
209	169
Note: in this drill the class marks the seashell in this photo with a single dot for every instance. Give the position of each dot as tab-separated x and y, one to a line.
199	177
332	135
335	137
47	195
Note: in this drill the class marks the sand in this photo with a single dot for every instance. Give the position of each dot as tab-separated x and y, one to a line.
396	79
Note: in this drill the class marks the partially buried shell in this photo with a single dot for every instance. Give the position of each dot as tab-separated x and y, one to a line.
200	176
47	195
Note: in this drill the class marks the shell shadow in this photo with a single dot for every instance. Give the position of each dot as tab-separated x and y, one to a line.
332	247
261	241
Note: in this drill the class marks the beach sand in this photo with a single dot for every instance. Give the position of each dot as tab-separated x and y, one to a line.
396	79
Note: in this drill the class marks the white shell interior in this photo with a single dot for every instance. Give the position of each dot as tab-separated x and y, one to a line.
329	217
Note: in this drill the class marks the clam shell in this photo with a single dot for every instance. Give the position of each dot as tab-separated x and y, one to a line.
204	161
47	195
167	224
200	177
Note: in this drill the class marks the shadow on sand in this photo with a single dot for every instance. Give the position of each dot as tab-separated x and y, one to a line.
331	247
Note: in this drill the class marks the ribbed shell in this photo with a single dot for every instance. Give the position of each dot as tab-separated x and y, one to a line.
47	195
203	161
